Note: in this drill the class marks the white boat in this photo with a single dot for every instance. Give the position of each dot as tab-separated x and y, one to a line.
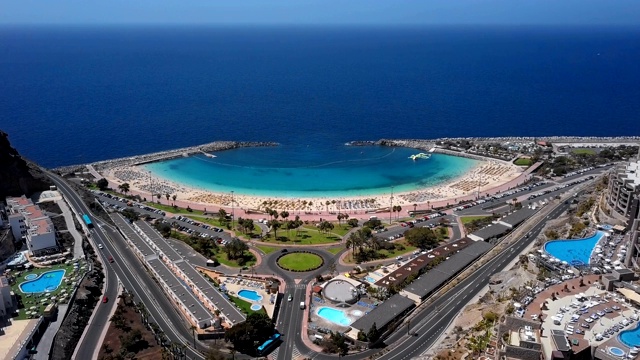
419	156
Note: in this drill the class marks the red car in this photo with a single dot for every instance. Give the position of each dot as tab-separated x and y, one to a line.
110	259
105	300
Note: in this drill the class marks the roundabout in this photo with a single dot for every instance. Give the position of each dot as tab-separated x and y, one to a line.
300	261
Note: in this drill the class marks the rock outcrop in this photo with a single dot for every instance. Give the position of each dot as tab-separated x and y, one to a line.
18	176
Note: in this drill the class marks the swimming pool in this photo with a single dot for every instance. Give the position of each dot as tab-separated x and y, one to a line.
46	282
631	337
250	295
571	251
256	307
616	351
335	316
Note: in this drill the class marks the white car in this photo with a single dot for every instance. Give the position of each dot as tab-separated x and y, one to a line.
100	246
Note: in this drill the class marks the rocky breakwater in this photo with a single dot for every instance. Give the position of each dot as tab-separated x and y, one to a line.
409	143
168	154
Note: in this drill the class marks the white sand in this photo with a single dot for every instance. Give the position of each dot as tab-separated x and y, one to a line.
487	175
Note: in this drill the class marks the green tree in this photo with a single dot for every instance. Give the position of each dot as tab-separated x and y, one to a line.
352	222
274	225
245	336
103	184
421	237
124	187
373	334
222	216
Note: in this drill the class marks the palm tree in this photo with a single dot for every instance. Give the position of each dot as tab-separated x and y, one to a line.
327	203
125	187
167	196
174	197
415	206
399	209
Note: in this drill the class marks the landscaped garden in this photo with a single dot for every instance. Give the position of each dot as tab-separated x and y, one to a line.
302	236
523	162
31	304
300	261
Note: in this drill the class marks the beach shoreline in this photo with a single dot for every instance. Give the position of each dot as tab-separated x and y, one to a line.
486	175
490	176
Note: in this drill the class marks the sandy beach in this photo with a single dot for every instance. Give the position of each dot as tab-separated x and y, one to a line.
489	176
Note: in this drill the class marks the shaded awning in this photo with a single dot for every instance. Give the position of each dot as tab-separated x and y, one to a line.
630	295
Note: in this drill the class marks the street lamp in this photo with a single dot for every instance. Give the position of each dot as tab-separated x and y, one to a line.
390	205
232	210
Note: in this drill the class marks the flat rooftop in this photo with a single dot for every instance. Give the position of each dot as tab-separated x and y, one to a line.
211	292
181	290
130	233
14	335
157	239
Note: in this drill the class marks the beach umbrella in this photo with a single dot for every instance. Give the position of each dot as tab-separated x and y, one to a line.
540	251
565	263
570	271
601	255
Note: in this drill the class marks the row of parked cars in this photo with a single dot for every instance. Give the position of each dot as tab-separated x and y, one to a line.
127	203
500	196
195	223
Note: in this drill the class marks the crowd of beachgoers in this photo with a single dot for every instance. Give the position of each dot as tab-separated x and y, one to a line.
490	173
487	174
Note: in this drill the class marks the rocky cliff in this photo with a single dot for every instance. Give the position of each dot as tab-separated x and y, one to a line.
17	176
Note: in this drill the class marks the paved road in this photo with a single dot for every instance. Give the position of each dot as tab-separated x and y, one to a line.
92	336
134	278
432	320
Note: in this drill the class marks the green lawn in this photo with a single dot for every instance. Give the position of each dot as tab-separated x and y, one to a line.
244	306
267	249
300	261
335	250
29	300
341	230
523	162
387	254
584	151
250	259
304	236
468	219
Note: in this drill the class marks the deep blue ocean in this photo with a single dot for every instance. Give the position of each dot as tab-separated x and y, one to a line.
76	95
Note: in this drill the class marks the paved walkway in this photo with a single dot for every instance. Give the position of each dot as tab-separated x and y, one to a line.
46	342
68	217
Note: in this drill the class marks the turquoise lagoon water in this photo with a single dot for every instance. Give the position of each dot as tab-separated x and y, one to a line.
249	295
48	281
576	250
289	171
334	315
630	338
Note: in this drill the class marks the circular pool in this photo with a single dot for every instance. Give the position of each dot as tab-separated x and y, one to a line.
256	307
31	277
357	313
616	351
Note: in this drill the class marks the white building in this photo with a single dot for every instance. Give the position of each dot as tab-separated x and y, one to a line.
29	222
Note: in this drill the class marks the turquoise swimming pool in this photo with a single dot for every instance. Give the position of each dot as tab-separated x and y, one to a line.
631	337
46	282
335	316
250	295
575	250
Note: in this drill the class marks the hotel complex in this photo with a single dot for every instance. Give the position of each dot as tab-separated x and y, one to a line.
29	222
624	191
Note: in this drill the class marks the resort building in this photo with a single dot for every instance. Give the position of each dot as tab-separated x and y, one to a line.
29	222
624	191
188	289
6	298
382	316
519	339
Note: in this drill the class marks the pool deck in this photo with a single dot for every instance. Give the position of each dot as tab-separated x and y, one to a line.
564	299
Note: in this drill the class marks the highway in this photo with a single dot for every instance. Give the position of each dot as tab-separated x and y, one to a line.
86	349
429	322
127	268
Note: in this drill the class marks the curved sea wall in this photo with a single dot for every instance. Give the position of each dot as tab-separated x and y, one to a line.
169	154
